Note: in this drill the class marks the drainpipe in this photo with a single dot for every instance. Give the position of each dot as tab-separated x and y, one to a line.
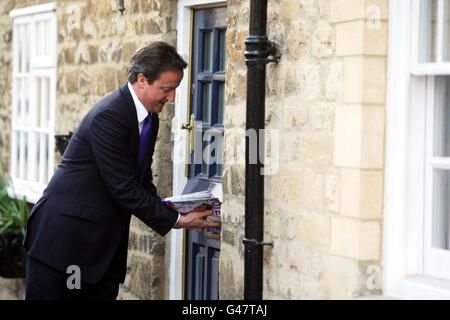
258	49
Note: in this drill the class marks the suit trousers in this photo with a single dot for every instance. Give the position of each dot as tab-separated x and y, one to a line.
46	283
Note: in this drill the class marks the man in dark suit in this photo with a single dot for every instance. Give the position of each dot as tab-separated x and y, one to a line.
81	222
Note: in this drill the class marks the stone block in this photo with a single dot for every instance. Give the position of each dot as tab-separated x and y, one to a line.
323	40
312	190
230	81
235	42
294	115
346	10
340	278
321	117
69	55
332	192
334	83
310	8
237	173
231	273
316	148
359	136
309	79
358	38
146	277
355	239
275	79
297	39
314	230
290	147
12	289
364	79
361	193
289	9
242	81
71	81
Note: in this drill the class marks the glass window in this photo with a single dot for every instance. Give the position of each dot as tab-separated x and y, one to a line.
222	50
33	98
434	25
206	113
208	51
221	98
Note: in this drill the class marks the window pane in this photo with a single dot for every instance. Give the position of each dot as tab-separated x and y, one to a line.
205	156
40	33
219	156
441	143
207	51
441	209
16	155
27	111
38	158
17	94
206	101
222	50
446	53
38	102
22	108
23	155
221	98
46	38
428	31
44	101
43	158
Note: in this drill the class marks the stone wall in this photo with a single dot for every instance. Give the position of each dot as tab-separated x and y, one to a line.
95	45
326	99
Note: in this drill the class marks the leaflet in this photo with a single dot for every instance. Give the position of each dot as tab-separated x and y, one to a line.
186	203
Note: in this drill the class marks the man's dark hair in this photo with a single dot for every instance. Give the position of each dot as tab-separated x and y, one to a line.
153	60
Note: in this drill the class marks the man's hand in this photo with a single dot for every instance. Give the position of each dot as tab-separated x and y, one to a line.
197	219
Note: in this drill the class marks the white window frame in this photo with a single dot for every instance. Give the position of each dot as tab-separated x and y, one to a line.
41	65
407	190
431	68
184	22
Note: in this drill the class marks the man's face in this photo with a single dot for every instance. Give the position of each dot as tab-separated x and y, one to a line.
155	95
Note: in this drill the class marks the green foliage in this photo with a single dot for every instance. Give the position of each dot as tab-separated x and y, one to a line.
14	212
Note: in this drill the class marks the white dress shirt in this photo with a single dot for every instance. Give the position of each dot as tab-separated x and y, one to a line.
142	113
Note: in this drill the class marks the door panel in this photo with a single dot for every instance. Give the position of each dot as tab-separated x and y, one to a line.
207	106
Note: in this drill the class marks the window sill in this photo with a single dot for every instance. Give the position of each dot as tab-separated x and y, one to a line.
19	191
419	288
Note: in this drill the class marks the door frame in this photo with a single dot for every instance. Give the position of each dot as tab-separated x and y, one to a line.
177	237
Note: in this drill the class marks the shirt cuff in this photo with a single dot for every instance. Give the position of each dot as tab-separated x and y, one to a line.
179	215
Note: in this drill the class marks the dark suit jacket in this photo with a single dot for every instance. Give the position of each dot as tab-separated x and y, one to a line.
83	217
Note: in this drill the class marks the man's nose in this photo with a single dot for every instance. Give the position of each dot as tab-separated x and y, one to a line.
171	96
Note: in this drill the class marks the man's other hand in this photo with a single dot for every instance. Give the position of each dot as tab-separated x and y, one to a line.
197	219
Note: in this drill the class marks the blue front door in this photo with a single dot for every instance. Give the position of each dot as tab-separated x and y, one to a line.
207	98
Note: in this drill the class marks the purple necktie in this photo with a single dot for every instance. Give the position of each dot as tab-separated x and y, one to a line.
144	140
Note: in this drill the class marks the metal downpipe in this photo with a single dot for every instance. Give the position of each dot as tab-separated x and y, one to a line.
258	48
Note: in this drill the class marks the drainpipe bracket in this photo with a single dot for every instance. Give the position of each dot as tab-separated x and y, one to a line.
253	242
273	49
259	48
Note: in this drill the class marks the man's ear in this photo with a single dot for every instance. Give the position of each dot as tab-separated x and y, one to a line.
141	79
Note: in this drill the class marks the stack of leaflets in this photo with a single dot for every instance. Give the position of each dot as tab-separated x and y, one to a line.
186	203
